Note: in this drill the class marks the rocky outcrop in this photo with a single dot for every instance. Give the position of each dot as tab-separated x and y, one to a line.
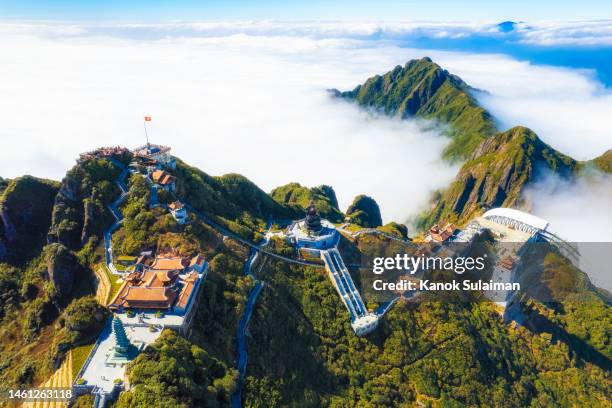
364	211
88	218
62	267
8	228
25	216
299	197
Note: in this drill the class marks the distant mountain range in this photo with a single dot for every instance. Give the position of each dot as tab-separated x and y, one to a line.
497	166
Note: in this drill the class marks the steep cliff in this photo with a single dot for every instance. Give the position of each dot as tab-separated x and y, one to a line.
25	215
298	197
496	175
364	211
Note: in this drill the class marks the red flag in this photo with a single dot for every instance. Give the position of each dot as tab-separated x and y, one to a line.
147	118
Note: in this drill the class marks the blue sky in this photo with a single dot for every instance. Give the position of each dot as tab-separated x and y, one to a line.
156	10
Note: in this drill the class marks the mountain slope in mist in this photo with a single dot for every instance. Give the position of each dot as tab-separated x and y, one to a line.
421	88
496	175
497	167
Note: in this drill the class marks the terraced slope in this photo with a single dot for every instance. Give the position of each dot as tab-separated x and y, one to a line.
62	378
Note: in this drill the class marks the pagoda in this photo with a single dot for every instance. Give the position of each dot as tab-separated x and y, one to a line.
313	219
123	350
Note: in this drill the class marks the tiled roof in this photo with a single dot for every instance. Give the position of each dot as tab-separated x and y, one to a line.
197	260
162	177
177	205
168	263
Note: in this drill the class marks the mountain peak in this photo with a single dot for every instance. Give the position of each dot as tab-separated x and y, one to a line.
421	88
506	26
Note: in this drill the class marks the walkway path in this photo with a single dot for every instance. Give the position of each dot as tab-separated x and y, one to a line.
236	237
343	282
104	286
241	343
114	209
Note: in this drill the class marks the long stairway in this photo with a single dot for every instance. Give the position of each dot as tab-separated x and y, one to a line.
362	321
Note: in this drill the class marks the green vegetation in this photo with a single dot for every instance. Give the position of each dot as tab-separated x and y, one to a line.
303	353
302	350
79	356
82	320
299	197
496	176
25	215
84	401
221	305
604	162
174	372
140	224
236	201
34	336
42	310
80	211
394	228
421	88
498	166
364	211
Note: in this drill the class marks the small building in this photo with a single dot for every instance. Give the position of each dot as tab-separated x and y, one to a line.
439	234
164	179
312	232
152	153
178	211
506	263
198	264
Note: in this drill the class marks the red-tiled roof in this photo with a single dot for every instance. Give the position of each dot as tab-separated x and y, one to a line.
162	177
177	205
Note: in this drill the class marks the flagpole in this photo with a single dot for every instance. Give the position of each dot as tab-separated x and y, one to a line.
144	124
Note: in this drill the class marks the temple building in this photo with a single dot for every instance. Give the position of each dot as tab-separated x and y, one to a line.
164	179
147	290
178	211
439	234
163	284
312	233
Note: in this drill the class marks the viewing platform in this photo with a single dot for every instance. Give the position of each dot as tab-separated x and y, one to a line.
312	233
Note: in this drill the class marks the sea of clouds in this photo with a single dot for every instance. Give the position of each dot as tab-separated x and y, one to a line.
251	98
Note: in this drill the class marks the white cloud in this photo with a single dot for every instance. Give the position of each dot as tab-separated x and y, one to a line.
538	33
574	33
579	211
567	108
255	104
